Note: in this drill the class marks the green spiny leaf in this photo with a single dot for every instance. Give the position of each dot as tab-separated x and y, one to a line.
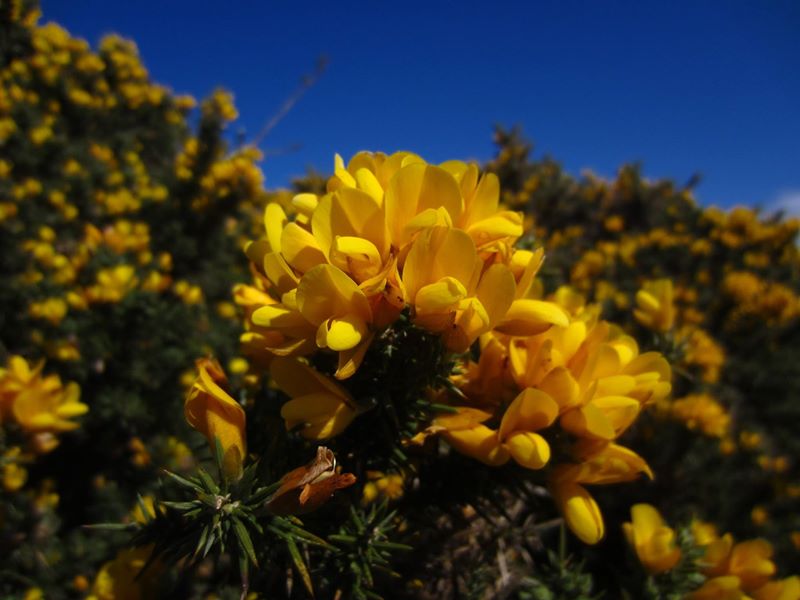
300	565
243	537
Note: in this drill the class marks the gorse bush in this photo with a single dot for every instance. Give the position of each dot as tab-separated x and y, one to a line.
404	380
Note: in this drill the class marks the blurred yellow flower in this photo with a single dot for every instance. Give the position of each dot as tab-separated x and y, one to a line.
654	305
113	284
41	406
653	541
703	412
123	578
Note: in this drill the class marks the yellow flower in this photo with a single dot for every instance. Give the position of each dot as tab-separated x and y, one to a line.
531	411
321	407
419	196
491	229
701	411
750	562
334	304
614	223
190	294
759	515
210	410
41	406
702	351
389	486
49	406
123	579
703	533
14	475
33	593
528	314
717	551
598	463
112	284
655	309
220	103
653	541
443	282
15	377
785	589
580	511
51	309
725	587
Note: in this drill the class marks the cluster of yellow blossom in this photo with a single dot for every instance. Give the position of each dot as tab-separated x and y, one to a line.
654	305
79	201
395	234
701	351
733	571
232	176
741	228
392	232
738	571
92	83
703	412
771	301
585	378
41	406
124	238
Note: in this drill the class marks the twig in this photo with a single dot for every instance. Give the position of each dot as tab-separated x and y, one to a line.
306	83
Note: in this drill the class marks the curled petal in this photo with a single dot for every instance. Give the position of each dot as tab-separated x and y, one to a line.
325	292
529	317
529	449
342	333
274	221
531	410
480	443
580	511
320	415
300	248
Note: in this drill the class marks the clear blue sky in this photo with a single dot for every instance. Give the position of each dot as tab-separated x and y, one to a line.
683	87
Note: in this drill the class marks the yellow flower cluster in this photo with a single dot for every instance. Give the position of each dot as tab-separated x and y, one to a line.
392	233
395	234
703	412
701	351
653	541
771	301
584	378
733	571
738	571
741	228
236	175
41	406
654	305
96	188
